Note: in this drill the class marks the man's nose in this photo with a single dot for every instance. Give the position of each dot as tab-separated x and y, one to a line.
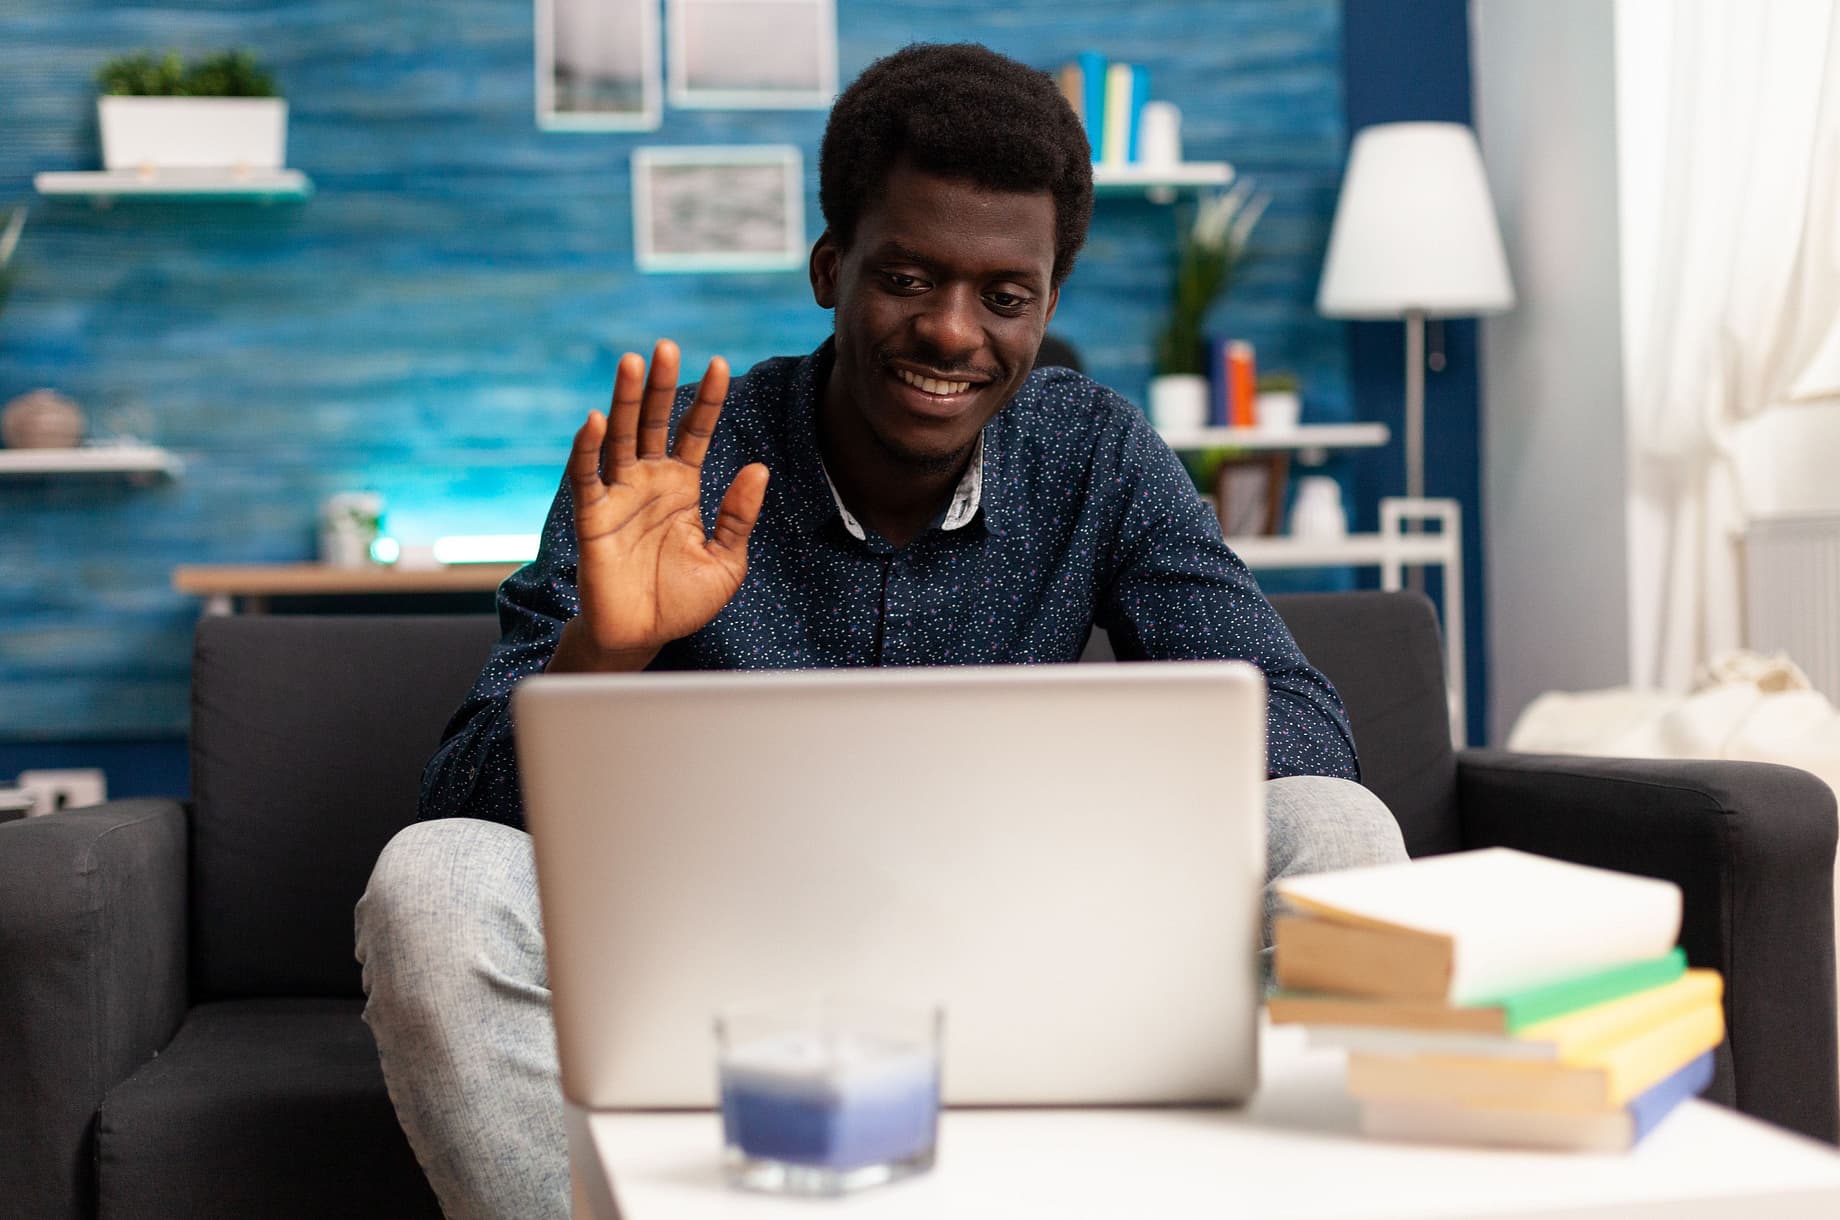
949	324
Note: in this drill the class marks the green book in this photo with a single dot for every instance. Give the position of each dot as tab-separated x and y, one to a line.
1501	1014
1536	1004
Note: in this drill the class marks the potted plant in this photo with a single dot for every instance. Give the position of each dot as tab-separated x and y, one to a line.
1279	405
219	112
1206	254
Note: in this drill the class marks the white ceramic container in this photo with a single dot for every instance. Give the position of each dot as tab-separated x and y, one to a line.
193	132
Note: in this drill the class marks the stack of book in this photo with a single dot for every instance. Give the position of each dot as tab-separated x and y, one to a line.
1109	98
1496	997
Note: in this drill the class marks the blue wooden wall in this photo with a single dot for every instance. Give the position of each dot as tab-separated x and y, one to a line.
434	322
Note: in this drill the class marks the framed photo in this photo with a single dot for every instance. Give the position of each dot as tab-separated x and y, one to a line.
719	209
597	65
1249	495
752	54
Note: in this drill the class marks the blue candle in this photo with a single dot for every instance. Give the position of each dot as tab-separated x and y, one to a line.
831	1101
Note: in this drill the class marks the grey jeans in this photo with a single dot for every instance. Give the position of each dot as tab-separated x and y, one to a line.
458	989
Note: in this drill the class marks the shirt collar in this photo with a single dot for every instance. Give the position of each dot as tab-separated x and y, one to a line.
814	497
965	497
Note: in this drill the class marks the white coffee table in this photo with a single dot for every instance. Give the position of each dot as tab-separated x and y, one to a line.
1293	1153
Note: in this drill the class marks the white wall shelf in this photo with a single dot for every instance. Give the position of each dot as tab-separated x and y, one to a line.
1353	551
91	459
1160	184
248	185
1304	436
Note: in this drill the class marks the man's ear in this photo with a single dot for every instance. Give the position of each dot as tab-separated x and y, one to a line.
1054	299
826	265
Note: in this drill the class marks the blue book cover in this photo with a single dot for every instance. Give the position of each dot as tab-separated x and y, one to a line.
1092	79
1217	383
1140	93
1653	1106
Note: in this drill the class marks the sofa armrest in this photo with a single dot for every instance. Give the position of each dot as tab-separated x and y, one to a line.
1752	847
92	982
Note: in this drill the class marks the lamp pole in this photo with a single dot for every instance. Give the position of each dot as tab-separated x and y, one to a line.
1415	429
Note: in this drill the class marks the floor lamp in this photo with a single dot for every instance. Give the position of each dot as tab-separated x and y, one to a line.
1414	238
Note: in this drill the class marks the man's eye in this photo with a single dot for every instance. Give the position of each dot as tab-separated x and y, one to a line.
904	283
1008	302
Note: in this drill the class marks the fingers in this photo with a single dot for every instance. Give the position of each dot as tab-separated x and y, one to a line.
584	470
660	389
623	415
740	510
699	422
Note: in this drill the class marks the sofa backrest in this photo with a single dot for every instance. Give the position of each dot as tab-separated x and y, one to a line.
309	734
1384	655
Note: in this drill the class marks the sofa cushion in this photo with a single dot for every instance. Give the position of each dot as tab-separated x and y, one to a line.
309	734
1384	655
272	1108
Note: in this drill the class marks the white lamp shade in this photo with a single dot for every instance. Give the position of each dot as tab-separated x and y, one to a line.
1415	228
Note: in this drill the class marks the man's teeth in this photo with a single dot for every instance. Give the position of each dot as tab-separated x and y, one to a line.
932	385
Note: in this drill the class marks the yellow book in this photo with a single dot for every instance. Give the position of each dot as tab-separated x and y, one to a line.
1605	1080
1576	1037
1592	1034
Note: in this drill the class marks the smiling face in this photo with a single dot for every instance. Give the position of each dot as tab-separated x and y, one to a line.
941	300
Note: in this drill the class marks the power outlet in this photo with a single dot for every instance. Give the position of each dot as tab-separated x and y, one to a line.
64	789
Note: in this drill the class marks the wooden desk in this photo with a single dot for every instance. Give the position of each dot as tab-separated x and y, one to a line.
223	586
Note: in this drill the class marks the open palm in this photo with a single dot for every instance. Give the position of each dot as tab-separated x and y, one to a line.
648	573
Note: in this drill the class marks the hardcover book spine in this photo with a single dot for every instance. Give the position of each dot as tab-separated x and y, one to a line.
1117	115
1140	94
1073	87
1092	109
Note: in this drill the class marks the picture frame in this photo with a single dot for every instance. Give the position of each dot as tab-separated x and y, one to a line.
597	65
715	208
1249	494
751	54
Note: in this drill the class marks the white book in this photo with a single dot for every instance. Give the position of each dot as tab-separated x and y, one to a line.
1507	920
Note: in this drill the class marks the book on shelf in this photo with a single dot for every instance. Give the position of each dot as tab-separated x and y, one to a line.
1574	1037
1508	1013
1608	1079
1109	100
1091	67
1462	928
1117	138
1609	1131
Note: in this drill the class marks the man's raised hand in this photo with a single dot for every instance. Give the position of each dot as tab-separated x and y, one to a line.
647	573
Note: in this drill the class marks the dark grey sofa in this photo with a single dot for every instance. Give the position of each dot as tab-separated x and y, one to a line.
179	1028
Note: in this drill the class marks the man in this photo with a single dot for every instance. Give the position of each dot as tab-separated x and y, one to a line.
912	493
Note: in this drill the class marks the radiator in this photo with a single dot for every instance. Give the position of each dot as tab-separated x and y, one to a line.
1792	594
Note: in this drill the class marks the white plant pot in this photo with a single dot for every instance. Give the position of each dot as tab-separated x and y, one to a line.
1179	402
193	132
1278	410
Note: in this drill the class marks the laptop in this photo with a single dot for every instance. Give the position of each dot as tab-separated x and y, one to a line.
1068	858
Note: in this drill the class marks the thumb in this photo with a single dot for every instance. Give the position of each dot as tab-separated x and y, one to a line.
739	511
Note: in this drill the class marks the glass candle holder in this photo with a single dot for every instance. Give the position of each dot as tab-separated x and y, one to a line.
827	1098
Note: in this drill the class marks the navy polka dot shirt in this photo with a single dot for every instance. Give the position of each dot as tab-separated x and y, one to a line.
1085	518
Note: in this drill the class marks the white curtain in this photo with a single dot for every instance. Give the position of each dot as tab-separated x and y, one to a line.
1729	121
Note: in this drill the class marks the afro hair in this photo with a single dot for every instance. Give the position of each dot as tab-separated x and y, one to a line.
961	111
